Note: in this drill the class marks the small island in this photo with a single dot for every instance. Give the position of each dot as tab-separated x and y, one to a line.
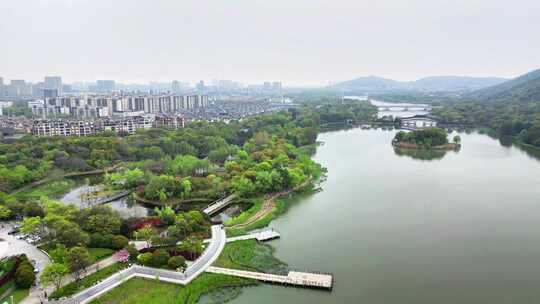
428	138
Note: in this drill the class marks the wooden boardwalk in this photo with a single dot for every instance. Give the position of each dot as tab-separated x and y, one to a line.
294	278
218	205
261	236
111	198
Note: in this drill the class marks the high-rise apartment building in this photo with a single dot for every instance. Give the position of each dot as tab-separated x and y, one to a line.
105	85
53	83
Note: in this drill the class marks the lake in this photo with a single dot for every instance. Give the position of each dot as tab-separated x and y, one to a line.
463	227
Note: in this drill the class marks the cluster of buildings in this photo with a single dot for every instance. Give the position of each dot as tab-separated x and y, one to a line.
3	105
88	108
119	125
418	122
274	88
20	89
108	105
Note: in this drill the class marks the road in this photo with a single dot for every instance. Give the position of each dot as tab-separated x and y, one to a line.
13	246
16	247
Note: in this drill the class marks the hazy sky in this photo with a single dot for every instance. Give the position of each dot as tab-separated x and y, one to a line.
296	41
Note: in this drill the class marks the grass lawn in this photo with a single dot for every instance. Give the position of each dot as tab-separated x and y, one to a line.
282	203
88	281
263	222
98	254
18	295
245	215
252	256
144	291
53	189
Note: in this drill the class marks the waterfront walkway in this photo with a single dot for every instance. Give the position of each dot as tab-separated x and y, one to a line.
294	278
261	236
218	205
111	198
208	257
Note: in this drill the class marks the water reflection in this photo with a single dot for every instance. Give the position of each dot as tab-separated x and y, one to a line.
126	206
422	154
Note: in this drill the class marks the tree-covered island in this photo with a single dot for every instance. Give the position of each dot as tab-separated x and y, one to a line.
430	138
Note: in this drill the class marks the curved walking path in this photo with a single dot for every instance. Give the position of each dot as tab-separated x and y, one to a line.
268	206
211	253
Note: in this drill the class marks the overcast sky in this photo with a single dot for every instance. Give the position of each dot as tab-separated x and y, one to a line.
300	42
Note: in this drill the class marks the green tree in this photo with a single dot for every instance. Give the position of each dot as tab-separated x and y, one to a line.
166	214
25	276
192	246
77	260
53	274
146	233
59	254
5	212
101	219
31	225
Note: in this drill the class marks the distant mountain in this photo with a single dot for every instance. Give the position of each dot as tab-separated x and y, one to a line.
455	83
524	88
372	84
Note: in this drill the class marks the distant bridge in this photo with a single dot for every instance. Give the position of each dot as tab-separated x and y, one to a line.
402	108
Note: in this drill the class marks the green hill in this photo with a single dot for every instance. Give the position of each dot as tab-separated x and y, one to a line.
525	88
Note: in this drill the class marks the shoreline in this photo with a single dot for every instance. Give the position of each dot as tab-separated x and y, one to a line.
407	145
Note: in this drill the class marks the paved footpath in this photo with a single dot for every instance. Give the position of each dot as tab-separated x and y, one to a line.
16	247
209	255
12	246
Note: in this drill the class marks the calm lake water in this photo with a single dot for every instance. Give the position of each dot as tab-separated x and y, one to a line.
461	228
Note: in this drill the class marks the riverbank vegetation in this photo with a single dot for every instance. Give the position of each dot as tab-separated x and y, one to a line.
515	118
250	255
145	291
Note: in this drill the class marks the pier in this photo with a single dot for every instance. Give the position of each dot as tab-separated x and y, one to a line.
109	199
218	205
294	278
260	236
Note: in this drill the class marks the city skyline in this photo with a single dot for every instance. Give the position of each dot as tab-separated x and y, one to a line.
301	43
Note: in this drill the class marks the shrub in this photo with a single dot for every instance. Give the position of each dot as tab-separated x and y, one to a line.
136	224
133	252
145	258
160	258
119	242
98	240
176	262
25	277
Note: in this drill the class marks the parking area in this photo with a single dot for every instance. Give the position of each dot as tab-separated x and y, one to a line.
12	245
